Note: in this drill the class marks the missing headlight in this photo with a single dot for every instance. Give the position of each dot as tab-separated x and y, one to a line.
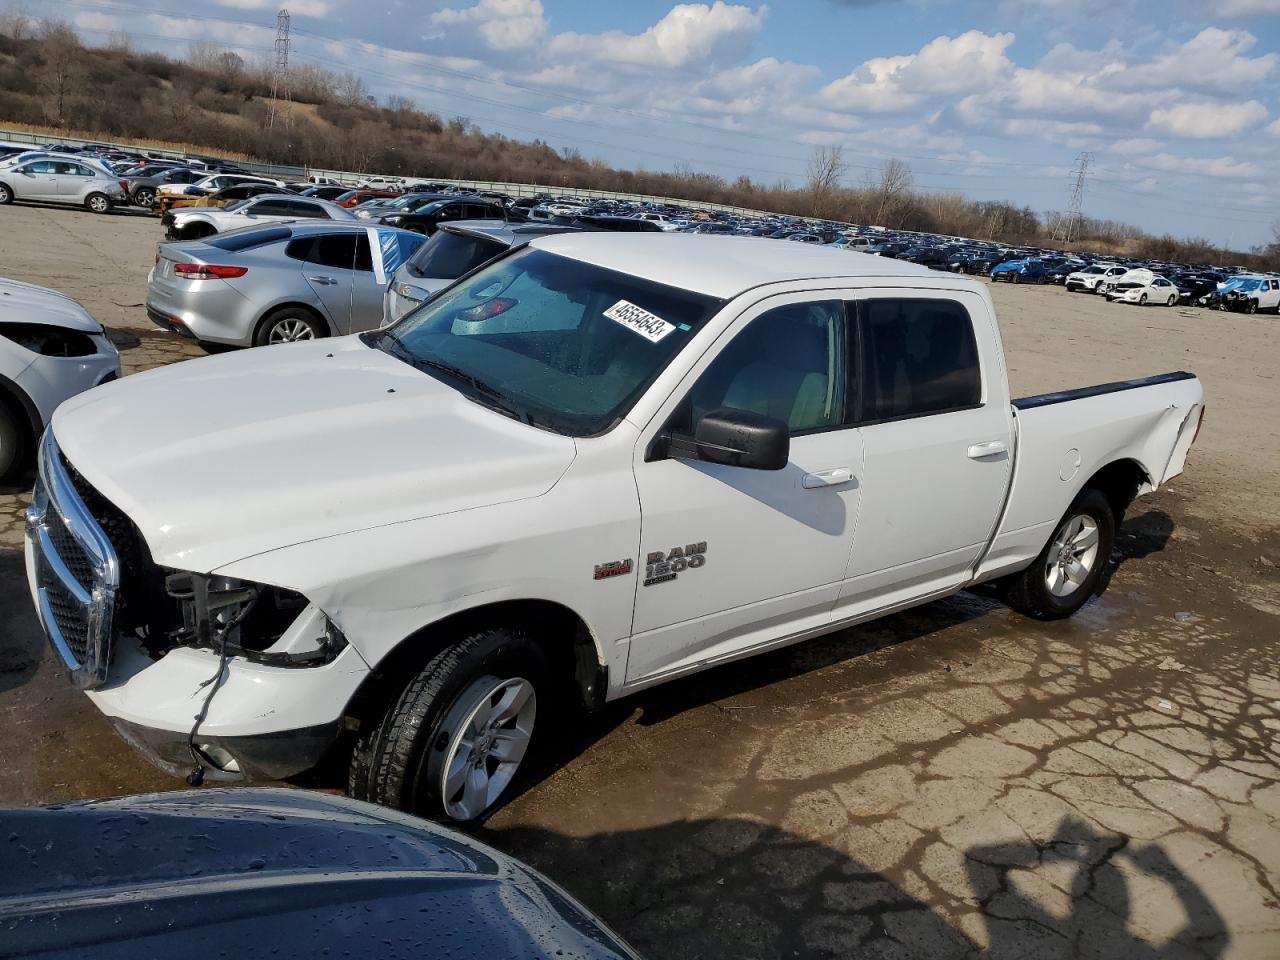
251	619
49	341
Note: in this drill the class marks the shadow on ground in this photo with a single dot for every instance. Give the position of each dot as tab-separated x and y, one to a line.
710	889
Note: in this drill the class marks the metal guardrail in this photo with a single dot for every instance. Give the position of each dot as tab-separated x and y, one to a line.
353	179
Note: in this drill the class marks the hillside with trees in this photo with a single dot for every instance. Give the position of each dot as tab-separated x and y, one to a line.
214	102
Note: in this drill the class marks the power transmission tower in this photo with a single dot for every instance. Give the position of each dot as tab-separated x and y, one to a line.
1069	224
280	75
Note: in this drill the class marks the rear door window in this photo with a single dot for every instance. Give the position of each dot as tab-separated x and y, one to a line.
918	357
336	250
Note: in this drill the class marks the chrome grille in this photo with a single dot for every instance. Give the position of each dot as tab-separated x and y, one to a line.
74	570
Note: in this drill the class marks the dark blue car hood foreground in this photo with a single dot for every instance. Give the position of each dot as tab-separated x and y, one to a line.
272	873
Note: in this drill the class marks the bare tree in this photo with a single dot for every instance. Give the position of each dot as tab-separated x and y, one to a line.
203	54
15	22
62	73
826	166
350	90
893	187
119	41
229	65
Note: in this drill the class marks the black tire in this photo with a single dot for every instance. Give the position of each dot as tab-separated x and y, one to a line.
6	195
1251	307
1028	592
12	445
1015	277
195	231
397	762
271	329
1142	299
145	197
97	203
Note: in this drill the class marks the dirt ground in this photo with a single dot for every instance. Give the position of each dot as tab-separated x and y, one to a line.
953	781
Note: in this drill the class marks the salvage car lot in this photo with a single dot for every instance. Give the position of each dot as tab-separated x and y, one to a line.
945	780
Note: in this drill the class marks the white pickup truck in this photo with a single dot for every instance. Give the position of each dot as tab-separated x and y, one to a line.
598	463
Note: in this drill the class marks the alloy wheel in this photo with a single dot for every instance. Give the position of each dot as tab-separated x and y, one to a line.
492	724
1072	556
289	330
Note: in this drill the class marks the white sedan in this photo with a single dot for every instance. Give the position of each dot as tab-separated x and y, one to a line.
192	223
51	348
1143	286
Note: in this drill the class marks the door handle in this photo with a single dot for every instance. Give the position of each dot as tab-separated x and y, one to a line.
992	448
324	281
826	478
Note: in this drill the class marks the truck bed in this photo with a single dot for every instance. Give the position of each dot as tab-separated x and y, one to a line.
1079	393
1063	439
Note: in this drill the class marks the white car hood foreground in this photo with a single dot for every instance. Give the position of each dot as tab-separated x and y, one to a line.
27	303
225	457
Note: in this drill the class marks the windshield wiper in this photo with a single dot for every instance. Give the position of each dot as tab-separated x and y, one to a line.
489	397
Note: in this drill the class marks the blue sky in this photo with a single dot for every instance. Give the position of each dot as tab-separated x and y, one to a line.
1177	100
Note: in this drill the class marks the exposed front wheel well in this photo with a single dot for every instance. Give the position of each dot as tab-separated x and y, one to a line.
22	423
570	651
1120	483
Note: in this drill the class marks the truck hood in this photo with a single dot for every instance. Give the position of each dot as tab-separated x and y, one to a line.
226	457
27	303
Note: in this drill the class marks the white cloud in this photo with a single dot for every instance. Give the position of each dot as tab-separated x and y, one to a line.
1206	166
690	33
502	24
1147	185
97	22
1208	120
1274	128
1213	59
1247	8
945	65
1134	146
306	8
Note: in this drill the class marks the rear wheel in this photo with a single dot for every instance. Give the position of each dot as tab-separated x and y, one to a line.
453	741
1069	568
288	325
1171	301
144	197
97	203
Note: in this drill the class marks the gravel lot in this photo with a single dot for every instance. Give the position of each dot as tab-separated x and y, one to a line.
953	781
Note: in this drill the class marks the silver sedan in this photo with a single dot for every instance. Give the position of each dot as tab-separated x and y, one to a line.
57	180
273	284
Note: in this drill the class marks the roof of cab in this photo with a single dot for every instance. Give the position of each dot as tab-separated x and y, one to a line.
719	266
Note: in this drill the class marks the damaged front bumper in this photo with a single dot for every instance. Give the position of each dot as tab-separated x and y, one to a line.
265	722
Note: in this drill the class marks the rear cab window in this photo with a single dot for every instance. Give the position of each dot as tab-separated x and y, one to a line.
917	357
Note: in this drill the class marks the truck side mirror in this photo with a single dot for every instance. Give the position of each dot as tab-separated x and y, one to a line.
740	438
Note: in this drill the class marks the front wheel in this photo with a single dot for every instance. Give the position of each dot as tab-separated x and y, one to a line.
6	195
1069	568
97	203
1142	299
1016	277
453	741
1251	307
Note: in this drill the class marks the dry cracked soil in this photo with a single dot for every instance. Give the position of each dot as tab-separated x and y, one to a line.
954	781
